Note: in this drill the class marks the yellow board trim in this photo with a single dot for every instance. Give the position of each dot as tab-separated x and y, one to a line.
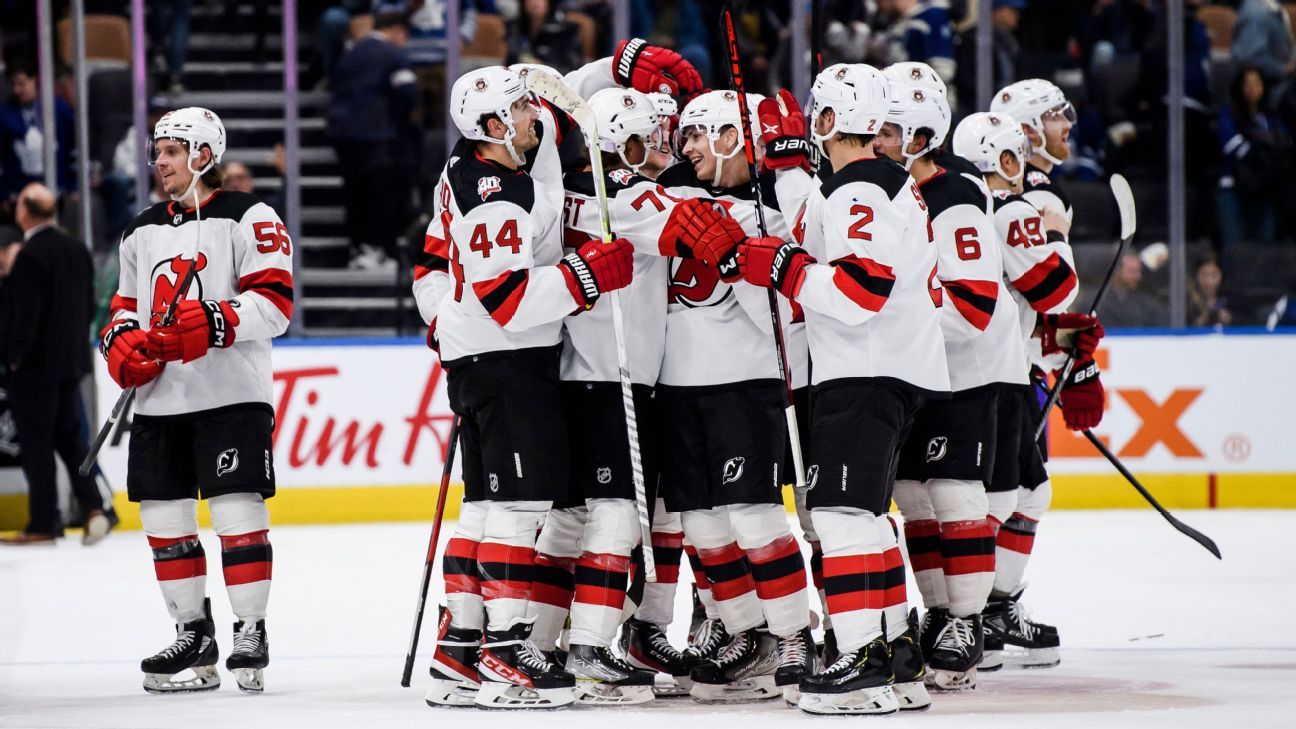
354	504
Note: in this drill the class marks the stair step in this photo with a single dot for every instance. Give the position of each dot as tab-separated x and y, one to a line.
353	303
320	215
321	242
260	99
273	123
346	277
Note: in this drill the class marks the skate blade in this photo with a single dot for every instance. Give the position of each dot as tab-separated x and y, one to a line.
872	701
450	693
250	680
1032	658
991	661
96	529
943	680
499	695
205	678
597	693
792	696
743	691
912	696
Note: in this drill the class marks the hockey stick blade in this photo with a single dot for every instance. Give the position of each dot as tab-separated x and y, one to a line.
1125	204
551	88
1188	531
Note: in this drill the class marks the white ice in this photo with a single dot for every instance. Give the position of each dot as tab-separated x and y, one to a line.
1156	633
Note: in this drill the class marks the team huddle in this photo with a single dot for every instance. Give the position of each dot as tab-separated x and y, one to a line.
905	284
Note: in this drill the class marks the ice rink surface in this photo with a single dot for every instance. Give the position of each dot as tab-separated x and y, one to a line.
1155	633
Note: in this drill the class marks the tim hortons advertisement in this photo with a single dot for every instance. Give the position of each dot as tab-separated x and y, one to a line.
377	415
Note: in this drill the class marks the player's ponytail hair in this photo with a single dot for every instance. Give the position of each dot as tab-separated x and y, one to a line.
215	177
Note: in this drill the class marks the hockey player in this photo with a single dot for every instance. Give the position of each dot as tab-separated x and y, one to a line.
203	419
593	541
1046	117
722	467
1038	267
872	319
950	457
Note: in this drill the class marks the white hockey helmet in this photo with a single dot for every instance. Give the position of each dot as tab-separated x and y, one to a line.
665	104
917	106
1029	101
712	112
195	127
491	90
624	113
522	69
983	137
915	73
857	93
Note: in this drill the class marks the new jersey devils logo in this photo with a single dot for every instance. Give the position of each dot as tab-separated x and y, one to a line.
227	462
733	469
167	276
695	284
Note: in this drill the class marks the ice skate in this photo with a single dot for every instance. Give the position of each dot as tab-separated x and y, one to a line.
858	683
1012	639
952	664
454	665
742	672
796	660
706	641
932	623
251	654
646	646
603	679
517	675
909	669
194	650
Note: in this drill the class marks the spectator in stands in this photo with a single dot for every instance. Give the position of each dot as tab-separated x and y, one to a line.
368	123
22	140
543	34
1262	38
1126	303
169	30
920	30
334	29
238	178
1256	166
1207	307
1005	51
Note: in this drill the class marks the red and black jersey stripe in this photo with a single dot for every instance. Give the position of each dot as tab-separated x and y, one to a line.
275	284
178	558
435	256
668	548
778	568
1017	534
864	281
459	565
975	300
505	571
1047	284
601	579
816	566
923	538
699	572
967	547
123	303
502	294
551	580
727	571
246	558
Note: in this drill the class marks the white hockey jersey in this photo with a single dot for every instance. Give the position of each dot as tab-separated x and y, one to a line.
719	333
1040	191
1038	265
983	341
872	301
244	257
639	211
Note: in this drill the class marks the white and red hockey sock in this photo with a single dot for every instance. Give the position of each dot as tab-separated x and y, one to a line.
459	568
1016	538
777	566
242	522
602	573
922	541
506	558
854	574
727	571
967	543
178	557
552	586
891	583
700	582
658	604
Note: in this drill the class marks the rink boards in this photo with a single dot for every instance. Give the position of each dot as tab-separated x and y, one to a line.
1203	419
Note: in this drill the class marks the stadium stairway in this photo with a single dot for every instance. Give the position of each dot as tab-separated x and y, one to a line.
223	74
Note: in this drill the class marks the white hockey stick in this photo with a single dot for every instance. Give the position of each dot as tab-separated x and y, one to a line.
553	90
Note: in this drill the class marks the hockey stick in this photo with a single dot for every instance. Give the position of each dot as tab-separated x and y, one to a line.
749	144
431	552
128	395
1191	533
1125	204
552	89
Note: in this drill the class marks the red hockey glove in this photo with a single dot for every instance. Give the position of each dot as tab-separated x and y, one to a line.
700	229
653	69
783	129
1082	396
122	344
774	264
198	326
598	268
1060	332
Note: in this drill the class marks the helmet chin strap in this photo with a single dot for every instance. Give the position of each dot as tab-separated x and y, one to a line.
193	181
720	158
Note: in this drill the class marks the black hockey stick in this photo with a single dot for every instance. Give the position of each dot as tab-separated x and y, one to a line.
1191	533
1129	223
128	395
749	145
431	552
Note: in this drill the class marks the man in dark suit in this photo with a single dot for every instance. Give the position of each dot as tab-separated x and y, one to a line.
45	310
